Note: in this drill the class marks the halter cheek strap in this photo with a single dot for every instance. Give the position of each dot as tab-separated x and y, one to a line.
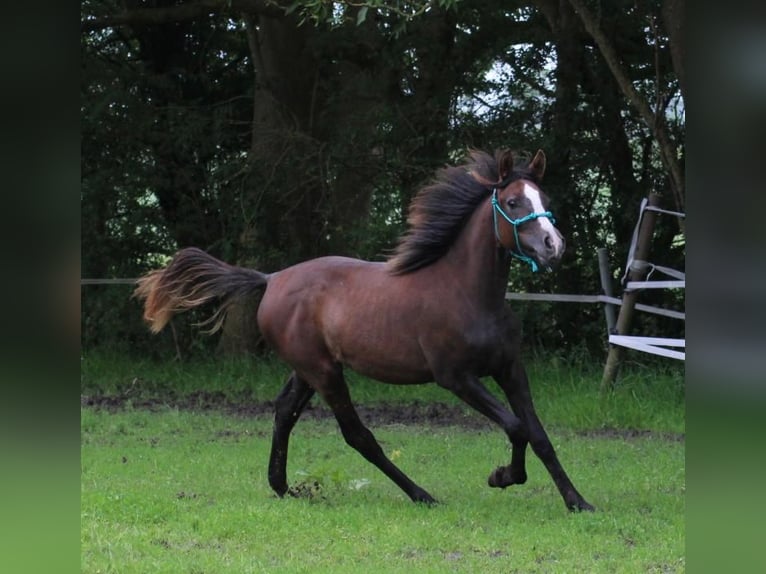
519	254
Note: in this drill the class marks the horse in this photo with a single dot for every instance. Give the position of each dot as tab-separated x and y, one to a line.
433	311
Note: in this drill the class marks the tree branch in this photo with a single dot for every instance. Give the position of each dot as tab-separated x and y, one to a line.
673	12
655	122
182	12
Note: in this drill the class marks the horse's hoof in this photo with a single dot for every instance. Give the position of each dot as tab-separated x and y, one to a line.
278	483
504	476
495	478
423	497
581	506
280	492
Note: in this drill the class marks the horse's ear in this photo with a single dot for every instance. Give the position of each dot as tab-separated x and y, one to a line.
504	164
537	165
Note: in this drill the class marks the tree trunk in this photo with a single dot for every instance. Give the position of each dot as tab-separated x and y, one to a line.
281	163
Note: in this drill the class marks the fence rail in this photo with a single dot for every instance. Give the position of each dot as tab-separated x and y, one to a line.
566	298
107	281
550	297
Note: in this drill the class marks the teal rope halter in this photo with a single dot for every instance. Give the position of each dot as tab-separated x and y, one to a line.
515	223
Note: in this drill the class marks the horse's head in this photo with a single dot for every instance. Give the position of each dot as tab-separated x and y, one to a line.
522	223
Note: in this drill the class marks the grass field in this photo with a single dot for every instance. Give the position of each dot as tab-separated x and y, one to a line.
184	490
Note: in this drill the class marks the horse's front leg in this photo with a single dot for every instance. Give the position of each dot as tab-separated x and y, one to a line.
513	380
514	473
469	388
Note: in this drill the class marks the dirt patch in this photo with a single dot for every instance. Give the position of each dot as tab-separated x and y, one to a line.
416	412
631	434
433	414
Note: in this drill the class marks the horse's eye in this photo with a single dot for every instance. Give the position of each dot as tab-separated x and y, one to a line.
511	203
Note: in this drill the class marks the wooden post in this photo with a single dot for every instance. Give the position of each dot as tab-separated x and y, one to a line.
636	273
606	287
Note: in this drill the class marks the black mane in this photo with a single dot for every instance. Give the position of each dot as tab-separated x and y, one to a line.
438	212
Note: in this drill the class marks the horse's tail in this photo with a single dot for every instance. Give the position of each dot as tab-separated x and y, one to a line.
191	279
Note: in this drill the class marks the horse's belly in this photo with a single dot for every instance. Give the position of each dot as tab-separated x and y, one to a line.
393	373
397	361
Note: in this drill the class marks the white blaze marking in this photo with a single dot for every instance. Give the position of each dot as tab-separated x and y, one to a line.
533	195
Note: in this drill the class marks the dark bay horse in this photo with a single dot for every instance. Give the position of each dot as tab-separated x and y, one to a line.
434	311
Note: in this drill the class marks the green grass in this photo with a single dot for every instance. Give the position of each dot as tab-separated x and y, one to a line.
184	491
187	492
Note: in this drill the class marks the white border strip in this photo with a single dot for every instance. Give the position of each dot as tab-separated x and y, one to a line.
649	340
648	345
655	285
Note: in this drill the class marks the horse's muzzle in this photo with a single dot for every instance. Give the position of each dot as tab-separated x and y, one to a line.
549	251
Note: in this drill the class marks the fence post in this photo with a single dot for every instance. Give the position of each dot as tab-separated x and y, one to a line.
635	273
606	286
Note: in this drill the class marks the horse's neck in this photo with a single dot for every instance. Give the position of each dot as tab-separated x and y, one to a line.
478	265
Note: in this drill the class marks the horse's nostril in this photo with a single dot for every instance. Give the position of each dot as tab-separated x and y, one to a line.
548	242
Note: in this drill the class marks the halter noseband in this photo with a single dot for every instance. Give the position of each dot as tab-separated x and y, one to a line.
515	223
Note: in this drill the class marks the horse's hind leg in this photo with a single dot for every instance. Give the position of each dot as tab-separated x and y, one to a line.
515	385
333	389
289	405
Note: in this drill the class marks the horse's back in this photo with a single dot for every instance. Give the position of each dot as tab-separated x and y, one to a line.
299	291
